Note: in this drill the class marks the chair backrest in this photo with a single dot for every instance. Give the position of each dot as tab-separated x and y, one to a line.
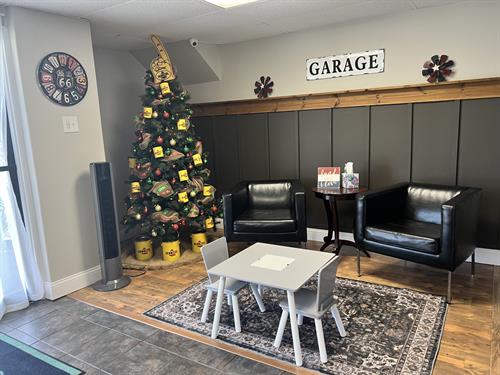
424	201
214	253
326	284
270	194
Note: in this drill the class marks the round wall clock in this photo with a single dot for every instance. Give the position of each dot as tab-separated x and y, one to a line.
62	78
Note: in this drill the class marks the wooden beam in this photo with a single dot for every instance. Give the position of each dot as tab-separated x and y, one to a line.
457	90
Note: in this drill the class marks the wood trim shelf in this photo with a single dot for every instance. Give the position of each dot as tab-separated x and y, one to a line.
455	90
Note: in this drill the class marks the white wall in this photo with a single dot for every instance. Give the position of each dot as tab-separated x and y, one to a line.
120	80
468	32
61	160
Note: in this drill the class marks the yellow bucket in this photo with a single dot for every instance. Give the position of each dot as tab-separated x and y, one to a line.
171	250
143	248
197	241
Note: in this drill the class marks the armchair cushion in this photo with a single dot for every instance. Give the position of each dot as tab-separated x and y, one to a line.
424	201
277	220
270	195
405	233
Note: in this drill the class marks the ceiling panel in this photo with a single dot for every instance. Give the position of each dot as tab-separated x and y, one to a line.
68	8
127	24
341	14
144	13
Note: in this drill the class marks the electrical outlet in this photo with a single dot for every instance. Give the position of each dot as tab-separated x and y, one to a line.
70	124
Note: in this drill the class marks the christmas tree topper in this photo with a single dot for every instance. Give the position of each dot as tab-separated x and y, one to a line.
161	67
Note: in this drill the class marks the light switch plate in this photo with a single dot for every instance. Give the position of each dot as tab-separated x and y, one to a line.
70	124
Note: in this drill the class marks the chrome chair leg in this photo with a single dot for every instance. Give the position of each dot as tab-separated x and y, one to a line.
359	263
473	264
448	295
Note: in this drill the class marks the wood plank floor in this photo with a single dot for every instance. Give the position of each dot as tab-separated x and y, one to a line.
470	343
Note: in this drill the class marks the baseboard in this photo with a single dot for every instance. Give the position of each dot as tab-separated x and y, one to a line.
487	256
483	255
316	234
69	284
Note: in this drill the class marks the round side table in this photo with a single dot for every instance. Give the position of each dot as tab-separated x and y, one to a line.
330	198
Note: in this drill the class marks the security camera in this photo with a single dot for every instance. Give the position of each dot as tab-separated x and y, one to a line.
194	42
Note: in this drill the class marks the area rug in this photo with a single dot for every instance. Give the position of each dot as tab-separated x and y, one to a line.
21	359
389	330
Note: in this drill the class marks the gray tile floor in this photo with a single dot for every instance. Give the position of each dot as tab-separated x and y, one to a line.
100	342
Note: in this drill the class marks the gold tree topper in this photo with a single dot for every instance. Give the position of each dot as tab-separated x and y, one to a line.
161	67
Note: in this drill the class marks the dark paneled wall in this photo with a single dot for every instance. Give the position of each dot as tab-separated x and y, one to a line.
390	144
315	150
478	160
454	142
227	165
435	142
351	142
284	138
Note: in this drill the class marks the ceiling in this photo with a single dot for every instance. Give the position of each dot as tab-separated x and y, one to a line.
127	24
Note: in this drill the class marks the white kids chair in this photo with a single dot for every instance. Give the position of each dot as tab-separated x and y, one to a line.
314	304
214	253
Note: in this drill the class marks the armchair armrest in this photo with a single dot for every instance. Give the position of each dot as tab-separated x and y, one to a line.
234	203
459	226
379	205
299	198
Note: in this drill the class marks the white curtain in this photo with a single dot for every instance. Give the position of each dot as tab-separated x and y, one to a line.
20	279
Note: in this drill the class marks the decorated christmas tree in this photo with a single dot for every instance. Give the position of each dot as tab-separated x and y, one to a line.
169	193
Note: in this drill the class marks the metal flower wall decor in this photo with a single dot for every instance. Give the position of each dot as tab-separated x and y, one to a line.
437	68
263	87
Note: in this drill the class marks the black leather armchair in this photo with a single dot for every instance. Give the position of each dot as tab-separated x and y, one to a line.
428	224
268	211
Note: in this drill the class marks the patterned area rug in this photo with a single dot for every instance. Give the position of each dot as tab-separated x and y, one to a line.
389	330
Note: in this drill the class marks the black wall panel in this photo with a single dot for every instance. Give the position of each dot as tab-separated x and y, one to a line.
350	142
253	147
315	151
478	162
390	144
204	129
283	145
444	143
435	142
226	152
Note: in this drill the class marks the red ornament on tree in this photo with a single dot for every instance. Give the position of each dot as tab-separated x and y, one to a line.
173	180
175	227
159	140
158	172
214	209
166	114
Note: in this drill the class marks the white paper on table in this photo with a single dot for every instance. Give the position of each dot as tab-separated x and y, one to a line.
273	262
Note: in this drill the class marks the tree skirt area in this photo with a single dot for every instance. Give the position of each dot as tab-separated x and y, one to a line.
389	330
157	262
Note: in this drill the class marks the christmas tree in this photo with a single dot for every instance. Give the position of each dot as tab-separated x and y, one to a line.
169	194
